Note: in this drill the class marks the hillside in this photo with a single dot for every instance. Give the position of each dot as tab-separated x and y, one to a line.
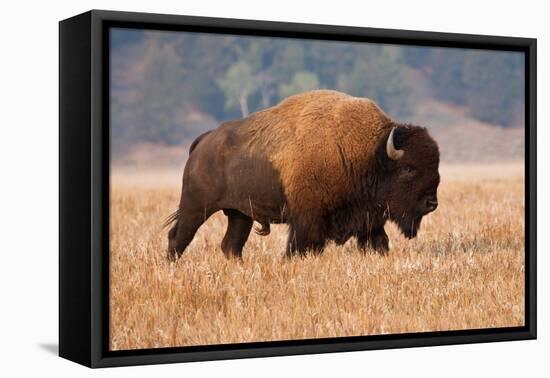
467	140
169	87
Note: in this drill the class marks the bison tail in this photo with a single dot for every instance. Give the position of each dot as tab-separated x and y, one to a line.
171	218
265	230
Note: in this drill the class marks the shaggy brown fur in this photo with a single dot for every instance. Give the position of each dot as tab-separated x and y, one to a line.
320	143
316	161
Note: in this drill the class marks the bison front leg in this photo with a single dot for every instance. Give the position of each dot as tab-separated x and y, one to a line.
238	230
304	238
376	239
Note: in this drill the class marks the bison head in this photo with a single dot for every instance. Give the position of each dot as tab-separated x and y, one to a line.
410	176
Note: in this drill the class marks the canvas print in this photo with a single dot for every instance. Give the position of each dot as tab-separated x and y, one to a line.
268	189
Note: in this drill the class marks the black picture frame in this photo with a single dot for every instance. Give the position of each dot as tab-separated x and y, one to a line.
84	188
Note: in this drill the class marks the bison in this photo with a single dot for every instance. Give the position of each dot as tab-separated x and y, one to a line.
329	165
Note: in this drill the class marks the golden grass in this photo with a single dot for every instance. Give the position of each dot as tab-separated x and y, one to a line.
465	270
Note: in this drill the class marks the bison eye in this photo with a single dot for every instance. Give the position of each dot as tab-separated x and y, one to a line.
407	173
410	171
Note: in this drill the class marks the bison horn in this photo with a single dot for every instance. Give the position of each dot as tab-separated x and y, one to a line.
392	152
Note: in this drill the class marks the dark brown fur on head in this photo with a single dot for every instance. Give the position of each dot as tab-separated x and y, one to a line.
402	191
407	187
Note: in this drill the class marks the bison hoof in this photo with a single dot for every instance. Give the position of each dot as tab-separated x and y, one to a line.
173	256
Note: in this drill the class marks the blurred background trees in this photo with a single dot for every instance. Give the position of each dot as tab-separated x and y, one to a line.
168	87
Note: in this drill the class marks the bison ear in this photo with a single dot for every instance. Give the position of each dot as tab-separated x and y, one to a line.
400	134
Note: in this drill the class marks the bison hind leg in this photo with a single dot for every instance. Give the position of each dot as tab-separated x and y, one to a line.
186	224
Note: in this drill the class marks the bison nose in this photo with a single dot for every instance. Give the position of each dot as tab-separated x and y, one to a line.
431	204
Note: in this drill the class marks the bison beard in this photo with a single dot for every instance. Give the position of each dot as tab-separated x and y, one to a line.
410	226
329	165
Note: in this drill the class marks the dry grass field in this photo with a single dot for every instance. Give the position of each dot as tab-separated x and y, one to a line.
465	270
